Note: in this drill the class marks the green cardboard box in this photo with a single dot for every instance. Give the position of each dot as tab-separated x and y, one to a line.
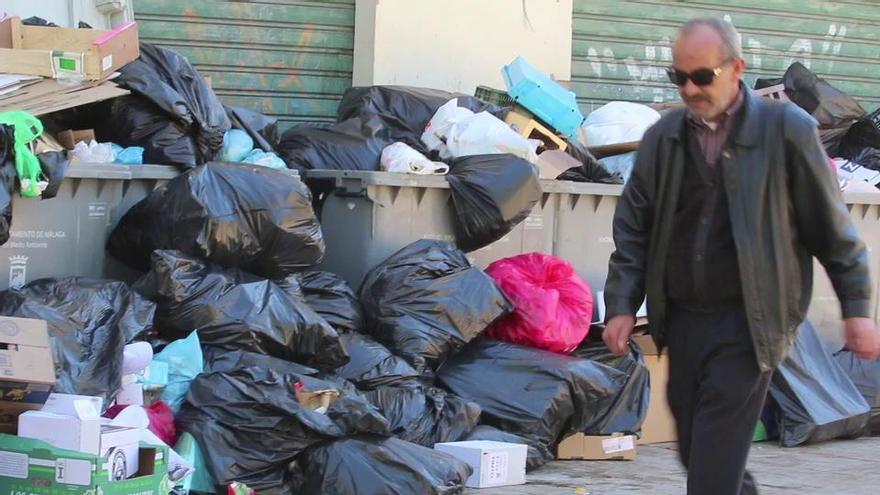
33	467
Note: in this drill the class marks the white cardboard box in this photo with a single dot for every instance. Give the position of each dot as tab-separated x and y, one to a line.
121	447
494	463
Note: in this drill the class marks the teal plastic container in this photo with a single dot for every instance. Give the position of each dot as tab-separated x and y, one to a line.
542	96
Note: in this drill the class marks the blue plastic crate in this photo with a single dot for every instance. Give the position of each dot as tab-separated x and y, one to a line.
543	97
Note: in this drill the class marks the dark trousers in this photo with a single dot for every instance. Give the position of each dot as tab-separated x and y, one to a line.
716	392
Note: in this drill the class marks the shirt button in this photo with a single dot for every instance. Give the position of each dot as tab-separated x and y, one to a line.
726	154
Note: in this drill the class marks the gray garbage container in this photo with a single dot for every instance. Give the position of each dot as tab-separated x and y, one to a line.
367	216
65	235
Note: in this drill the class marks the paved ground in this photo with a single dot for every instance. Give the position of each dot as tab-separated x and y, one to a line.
849	467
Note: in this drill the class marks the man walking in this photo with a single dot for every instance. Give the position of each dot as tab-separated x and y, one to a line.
729	201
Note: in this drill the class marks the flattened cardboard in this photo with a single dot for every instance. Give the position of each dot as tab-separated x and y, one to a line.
659	424
645	342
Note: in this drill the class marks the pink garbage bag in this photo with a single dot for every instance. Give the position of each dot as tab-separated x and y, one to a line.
554	305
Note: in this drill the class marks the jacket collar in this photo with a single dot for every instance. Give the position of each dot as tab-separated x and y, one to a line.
747	132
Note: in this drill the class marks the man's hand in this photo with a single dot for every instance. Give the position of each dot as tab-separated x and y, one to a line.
862	337
617	332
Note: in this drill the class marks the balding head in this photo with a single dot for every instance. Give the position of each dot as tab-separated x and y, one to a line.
731	47
711	45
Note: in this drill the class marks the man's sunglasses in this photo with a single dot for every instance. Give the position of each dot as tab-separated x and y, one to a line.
701	77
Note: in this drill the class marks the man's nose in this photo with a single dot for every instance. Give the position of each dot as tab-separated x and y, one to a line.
689	88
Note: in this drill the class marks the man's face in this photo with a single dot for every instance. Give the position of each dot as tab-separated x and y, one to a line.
701	49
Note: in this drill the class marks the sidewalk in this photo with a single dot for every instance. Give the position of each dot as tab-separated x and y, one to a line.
850	467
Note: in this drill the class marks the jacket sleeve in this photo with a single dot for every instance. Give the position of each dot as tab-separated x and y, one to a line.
822	219
625	285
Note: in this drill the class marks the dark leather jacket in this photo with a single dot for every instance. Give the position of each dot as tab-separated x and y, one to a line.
785	208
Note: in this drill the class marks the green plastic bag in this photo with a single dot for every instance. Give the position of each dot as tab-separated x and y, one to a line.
760	433
27	165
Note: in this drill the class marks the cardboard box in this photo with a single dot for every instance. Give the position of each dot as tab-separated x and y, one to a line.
33	467
530	128
73	422
27	370
598	447
659	425
58	52
494	463
63	432
70	137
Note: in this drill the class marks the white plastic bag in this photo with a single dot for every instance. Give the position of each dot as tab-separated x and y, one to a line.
455	131
485	134
619	122
401	158
438	127
92	152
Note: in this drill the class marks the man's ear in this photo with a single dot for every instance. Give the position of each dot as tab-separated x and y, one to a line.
739	67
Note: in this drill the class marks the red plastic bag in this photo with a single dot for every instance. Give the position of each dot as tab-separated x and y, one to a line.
161	420
554	306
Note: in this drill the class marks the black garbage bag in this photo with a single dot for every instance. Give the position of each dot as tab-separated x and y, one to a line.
538	454
403	111
235	310
371	364
37	21
835	110
54	165
866	377
251	426
491	195
220	359
590	170
133	120
533	393
332	298
171	83
369	465
424	415
89	321
817	400
350	145
866	157
261	128
235	215
8	176
861	144
427	301
629	406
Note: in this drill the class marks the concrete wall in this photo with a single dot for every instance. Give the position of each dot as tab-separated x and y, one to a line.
100	14
457	45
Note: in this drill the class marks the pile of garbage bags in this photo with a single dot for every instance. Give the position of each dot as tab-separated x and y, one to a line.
287	384
846	129
282	377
